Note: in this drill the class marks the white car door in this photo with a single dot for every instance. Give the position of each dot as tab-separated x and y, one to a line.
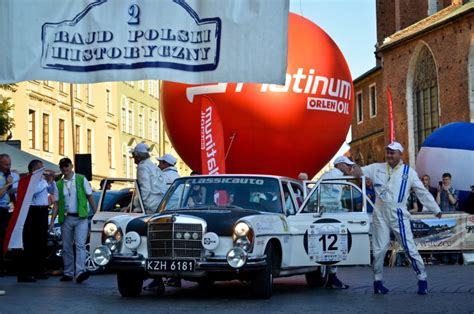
331	227
126	201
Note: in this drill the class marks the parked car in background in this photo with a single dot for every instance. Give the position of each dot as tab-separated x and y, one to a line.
246	227
111	203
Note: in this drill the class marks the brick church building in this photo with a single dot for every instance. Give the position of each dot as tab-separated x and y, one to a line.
425	56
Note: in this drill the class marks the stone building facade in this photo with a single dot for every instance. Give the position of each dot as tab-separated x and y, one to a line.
425	56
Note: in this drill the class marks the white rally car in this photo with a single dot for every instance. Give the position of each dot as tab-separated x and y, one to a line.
248	227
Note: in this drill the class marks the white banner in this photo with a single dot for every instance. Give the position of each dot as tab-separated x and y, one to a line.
190	41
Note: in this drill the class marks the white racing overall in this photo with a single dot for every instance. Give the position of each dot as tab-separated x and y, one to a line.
392	188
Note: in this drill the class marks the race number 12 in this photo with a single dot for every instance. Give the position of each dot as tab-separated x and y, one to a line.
331	239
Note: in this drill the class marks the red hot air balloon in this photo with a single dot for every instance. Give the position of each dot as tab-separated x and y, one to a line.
272	129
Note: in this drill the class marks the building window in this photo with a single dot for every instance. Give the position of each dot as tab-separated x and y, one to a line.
156	89
109	151
130	167
89	141
124	162
130	121
150	126
61	87
61	137
373	100
32	128
87	95
142	85
108	101
75	90
47	83
123	117
359	107
46	132
141	127
425	97
150	88
78	139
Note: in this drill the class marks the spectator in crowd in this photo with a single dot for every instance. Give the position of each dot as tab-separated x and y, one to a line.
412	203
35	231
103	186
331	195
8	185
392	181
469	204
74	192
152	185
303	176
169	171
370	192
195	173
447	197
426	180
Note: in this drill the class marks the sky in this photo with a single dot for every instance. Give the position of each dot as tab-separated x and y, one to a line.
350	23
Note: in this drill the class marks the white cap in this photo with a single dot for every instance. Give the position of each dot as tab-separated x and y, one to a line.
140	148
343	159
168	158
395	146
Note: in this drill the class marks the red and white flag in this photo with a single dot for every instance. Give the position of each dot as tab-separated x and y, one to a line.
26	189
212	138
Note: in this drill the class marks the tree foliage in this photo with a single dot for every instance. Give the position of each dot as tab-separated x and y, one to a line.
6	122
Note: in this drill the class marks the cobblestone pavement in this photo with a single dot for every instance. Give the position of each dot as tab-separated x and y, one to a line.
451	291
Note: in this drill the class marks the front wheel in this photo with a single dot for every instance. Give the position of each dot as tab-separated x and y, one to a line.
262	284
129	284
318	278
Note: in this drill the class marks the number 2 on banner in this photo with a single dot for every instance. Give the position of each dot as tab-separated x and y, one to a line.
134	12
332	246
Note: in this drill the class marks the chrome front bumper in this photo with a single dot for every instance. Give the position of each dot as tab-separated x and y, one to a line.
203	266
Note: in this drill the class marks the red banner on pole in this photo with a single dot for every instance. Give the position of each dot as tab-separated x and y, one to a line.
390	116
212	138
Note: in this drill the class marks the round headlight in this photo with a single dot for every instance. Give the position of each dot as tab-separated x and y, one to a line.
110	229
241	229
101	255
195	236
178	235
243	242
187	236
236	257
111	243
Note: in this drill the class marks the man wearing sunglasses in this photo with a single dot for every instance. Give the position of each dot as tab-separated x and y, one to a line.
74	192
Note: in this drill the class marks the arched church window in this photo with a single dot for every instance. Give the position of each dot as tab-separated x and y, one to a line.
425	97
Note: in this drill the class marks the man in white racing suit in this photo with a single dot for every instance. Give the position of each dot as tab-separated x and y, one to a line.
149	177
331	195
392	183
152	186
169	171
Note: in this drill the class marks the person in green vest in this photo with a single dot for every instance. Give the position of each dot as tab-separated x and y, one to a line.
74	192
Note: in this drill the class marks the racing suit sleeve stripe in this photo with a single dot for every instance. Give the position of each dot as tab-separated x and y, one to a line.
403	186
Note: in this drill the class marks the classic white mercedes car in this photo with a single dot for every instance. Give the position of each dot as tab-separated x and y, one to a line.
248	227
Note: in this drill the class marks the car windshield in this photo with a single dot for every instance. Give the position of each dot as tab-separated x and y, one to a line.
258	193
